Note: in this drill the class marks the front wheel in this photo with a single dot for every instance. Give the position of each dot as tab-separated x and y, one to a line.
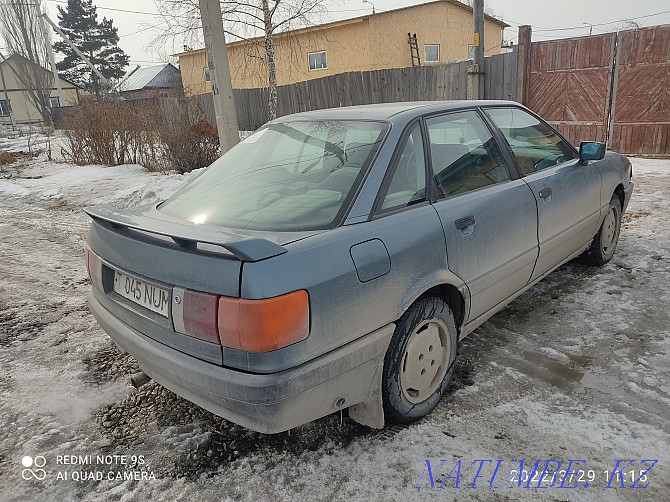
605	241
419	361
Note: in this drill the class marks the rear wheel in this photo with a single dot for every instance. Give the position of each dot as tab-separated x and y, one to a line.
605	241
419	361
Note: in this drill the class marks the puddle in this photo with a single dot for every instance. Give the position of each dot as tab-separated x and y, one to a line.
551	371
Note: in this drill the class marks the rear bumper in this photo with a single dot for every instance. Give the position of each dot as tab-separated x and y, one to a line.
267	403
628	192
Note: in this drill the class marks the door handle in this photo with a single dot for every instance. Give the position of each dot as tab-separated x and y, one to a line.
545	192
463	223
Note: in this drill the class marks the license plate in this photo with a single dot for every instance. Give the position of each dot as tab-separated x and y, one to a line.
144	294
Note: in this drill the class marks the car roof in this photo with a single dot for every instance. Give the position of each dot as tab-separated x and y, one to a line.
391	112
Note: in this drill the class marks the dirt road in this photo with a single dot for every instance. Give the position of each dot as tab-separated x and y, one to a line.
578	368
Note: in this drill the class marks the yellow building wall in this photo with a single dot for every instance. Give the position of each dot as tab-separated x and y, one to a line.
192	66
363	44
443	24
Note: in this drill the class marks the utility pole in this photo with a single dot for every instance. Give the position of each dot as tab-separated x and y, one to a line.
50	50
76	50
478	16
219	74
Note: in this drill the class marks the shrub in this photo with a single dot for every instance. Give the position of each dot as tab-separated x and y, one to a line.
159	134
6	158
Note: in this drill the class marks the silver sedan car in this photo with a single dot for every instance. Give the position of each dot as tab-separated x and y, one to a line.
334	259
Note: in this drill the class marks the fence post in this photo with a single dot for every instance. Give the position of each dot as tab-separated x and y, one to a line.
473	82
523	64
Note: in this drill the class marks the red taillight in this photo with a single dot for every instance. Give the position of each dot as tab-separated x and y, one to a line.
87	254
200	315
93	266
264	325
249	325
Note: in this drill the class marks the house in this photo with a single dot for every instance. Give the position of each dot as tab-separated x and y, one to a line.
443	28
14	91
142	83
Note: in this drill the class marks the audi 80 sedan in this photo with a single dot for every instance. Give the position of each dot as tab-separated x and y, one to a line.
334	259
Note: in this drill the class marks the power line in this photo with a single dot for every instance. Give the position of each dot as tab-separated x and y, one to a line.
114	9
543	28
144	61
144	13
136	32
603	24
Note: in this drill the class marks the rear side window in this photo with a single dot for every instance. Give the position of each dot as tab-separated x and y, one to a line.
285	177
464	154
535	145
408	183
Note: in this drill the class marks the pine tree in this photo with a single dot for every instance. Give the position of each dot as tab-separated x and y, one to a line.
96	40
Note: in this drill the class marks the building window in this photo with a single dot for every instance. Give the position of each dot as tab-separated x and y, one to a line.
317	60
471	51
4	108
431	53
207	77
54	102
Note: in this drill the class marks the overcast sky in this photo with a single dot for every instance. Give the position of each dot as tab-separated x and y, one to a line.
550	19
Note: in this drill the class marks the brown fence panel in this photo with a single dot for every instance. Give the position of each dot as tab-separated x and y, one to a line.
570	82
641	104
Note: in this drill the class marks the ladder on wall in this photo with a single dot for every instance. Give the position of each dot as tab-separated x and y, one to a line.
414	50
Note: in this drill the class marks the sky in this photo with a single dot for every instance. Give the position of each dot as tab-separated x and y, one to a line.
549	19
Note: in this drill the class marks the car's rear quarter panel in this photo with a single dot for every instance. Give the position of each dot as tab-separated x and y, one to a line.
342	308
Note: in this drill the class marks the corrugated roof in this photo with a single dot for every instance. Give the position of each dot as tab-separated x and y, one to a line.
141	77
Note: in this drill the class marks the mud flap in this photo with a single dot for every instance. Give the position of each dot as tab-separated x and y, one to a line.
371	411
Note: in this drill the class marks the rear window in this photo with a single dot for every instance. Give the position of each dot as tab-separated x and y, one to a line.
286	176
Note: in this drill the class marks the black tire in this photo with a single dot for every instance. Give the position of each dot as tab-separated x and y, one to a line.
604	243
425	336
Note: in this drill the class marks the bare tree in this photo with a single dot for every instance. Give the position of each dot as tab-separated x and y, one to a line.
256	21
25	39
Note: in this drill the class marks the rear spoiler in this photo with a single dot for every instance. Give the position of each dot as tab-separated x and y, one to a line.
185	234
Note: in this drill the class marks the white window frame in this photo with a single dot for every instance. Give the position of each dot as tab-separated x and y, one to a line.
425	55
471	51
206	74
54	102
4	108
313	54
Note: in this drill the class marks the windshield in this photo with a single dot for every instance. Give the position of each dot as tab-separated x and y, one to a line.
290	176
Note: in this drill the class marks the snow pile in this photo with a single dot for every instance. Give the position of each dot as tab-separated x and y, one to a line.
125	185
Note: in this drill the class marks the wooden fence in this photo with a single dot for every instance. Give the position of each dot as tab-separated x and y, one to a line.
611	88
419	83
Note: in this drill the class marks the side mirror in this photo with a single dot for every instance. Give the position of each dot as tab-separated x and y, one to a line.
591	150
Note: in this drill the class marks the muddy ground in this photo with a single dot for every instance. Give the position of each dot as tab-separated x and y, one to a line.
576	368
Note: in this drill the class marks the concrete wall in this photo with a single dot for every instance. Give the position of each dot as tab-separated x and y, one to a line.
367	43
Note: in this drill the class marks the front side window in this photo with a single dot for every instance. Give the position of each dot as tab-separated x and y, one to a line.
206	74
4	108
317	60
54	102
285	177
464	154
431	53
408	183
535	145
